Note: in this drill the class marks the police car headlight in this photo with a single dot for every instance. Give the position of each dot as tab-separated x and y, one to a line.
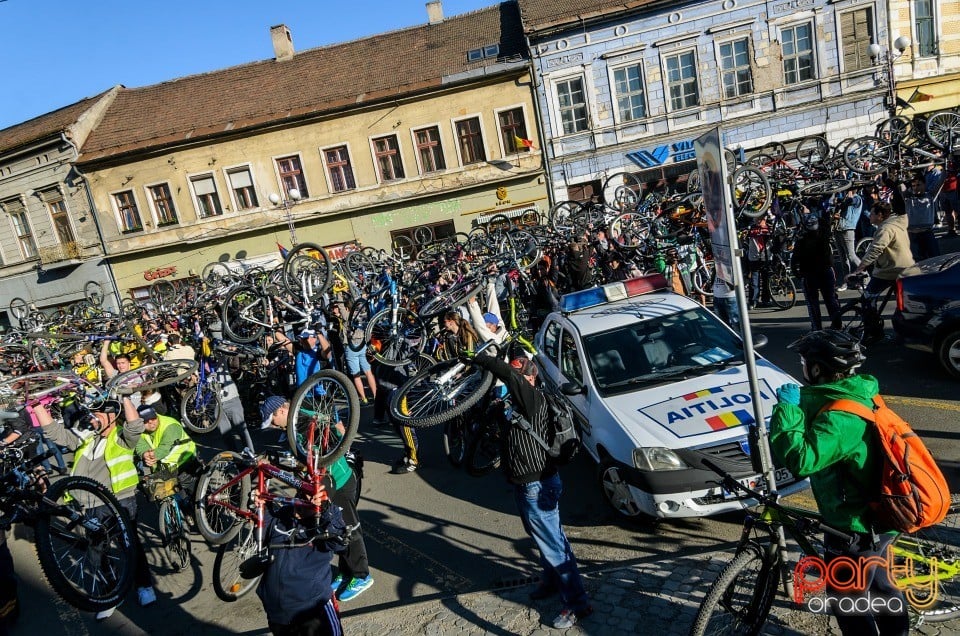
657	458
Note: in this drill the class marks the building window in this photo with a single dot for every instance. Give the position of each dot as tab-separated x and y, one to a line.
628	82
471	141
339	168
61	221
735	68
244	194
856	34
682	80
430	150
21	227
163	204
513	130
129	214
572	102
208	201
291	175
386	151
797	53
926	28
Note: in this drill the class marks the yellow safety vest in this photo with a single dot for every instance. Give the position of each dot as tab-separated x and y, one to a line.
123	472
181	452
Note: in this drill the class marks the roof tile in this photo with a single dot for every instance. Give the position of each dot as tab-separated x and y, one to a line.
46	125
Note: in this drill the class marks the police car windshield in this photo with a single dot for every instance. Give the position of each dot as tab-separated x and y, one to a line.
662	349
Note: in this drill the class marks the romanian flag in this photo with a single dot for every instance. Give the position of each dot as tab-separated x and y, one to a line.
729	420
703	393
283	251
520	142
919	97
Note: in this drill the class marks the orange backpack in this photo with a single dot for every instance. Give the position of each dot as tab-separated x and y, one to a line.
913	492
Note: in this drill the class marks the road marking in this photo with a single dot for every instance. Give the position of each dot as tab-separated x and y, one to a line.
923	403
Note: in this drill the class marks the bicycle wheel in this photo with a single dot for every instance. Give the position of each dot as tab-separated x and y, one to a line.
402	247
244	314
440	393
200	407
522	246
85	544
163	293
323	418
894	129
812	151
152	376
455	441
216	523
423	235
93	293
926	563
450	298
175	541
783	292
822	188
483	455
862	246
751	192
868	155
215	274
228	583
943	129
561	214
129	309
19	309
703	278
391	345
307	271
630	230
740	599
621	192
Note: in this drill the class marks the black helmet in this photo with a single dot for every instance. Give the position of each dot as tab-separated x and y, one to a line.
837	351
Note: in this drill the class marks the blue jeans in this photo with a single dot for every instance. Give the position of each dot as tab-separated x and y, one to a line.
539	504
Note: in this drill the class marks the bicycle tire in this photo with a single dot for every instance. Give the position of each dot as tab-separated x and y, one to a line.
483	454
104	580
621	192
630	231
783	291
129	309
862	246
703	278
394	349
943	129
164	293
228	584
200	413
751	192
868	155
244	308
894	129
422	235
307	271
829	186
940	542
93	293
19	309
338	403
741	597
455	441
812	151
450	298
173	535
216	524
561	214
152	376
402	247
422	402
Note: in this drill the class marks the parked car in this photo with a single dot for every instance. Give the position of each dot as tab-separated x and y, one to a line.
927	316
662	385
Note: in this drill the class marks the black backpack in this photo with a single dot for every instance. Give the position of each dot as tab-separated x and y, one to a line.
563	439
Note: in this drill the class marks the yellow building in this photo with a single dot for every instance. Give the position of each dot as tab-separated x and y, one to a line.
418	129
928	72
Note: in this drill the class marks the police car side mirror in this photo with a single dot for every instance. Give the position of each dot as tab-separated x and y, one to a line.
572	388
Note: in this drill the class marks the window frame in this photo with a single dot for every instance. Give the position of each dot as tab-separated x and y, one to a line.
118	211
732	41
558	110
396	158
326	167
615	93
192	180
234	200
482	134
667	85
933	18
301	181
504	150
813	52
154	211
22	212
438	145
62	200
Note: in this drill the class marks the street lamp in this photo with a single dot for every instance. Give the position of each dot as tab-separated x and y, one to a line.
293	197
878	54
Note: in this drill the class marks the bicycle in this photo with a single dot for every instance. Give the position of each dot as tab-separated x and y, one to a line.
855	314
163	488
741	598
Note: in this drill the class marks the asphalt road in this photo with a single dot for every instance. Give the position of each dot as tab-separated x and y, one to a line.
438	531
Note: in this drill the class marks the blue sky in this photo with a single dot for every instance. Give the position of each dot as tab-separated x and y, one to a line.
56	52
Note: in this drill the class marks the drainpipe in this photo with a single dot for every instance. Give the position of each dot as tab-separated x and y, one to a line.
96	220
538	118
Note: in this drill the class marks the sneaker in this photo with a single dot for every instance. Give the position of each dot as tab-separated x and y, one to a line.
404	465
568	618
355	587
147	596
103	615
337	582
842	288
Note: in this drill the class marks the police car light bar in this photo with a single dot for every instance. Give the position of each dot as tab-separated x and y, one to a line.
611	292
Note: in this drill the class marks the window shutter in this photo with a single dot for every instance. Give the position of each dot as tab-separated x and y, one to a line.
240	179
204	186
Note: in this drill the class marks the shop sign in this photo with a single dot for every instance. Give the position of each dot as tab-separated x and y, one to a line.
159	272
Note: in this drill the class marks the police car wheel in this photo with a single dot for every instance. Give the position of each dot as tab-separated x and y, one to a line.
616	491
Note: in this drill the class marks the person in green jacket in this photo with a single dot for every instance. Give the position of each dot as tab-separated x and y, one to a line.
841	455
353	576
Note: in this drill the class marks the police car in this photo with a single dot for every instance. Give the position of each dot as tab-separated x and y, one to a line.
658	383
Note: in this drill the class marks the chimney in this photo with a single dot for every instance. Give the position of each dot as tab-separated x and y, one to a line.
282	42
435	11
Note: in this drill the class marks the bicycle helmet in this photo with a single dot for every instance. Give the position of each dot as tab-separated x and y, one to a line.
109	406
835	350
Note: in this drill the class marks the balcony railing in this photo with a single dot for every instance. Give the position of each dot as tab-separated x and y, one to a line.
58	253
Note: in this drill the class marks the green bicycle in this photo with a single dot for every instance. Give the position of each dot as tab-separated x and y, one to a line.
926	563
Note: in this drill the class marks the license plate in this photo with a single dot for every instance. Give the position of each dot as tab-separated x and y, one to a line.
757	482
